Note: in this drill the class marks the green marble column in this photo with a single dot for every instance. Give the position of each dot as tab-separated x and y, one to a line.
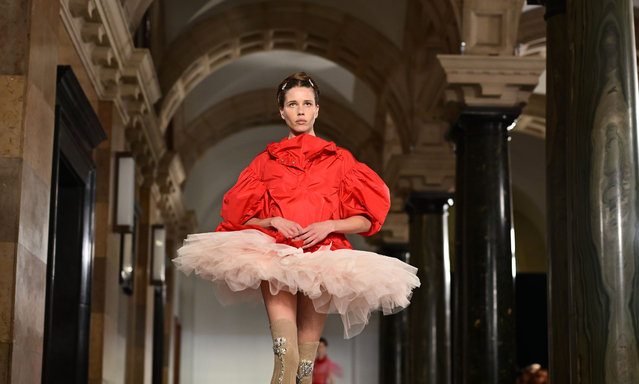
429	312
393	340
484	322
601	211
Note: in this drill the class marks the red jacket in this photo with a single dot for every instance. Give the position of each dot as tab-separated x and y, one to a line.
306	179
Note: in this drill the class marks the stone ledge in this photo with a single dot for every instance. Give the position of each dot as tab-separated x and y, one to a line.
491	80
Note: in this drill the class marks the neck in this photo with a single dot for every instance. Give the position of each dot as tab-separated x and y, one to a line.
292	134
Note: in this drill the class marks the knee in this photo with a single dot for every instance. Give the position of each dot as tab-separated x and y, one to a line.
286	351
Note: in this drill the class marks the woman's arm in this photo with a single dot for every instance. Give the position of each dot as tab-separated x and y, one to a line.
317	232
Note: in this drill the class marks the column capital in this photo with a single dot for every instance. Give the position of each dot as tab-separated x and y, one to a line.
428	202
481	120
500	81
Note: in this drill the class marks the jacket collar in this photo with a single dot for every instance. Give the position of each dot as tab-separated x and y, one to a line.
302	147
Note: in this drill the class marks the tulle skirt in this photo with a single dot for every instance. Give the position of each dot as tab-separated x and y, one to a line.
349	282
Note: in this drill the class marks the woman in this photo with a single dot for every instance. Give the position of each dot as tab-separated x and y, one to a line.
283	235
325	369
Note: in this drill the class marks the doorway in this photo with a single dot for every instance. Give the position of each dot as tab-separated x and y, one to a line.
70	255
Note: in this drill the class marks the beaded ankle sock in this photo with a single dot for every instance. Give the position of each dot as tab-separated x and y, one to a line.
286	360
307	359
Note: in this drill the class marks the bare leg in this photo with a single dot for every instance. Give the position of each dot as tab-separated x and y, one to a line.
310	324
280	306
281	309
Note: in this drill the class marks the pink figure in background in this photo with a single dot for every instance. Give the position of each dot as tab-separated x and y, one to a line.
325	369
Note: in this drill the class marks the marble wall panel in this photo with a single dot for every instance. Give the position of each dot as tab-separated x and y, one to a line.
26	365
7	281
43	41
39	123
14	37
5	360
34	213
11	108
10	201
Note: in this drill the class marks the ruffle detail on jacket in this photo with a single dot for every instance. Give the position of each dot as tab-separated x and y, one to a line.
349	282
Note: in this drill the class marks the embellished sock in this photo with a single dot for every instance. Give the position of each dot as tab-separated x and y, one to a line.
284	333
307	359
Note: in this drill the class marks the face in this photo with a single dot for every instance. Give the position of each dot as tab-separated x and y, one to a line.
299	111
321	350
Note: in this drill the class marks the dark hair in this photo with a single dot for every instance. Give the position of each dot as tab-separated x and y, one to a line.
299	79
323	340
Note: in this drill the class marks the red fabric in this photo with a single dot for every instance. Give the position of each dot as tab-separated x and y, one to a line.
306	179
323	367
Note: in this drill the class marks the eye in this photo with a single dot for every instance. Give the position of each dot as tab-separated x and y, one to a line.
292	104
308	104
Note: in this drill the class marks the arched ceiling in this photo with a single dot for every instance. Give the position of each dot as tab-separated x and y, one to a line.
386	16
206	46
264	70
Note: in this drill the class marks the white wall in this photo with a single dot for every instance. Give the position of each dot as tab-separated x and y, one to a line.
233	345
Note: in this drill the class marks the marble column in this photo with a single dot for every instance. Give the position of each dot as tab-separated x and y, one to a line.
484	324
393	340
429	312
29	42
562	362
601	195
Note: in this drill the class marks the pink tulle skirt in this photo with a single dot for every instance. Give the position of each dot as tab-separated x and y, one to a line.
349	282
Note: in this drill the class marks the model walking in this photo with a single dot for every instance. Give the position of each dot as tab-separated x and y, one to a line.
283	236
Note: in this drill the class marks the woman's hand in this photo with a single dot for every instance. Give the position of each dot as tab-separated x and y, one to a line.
315	233
288	228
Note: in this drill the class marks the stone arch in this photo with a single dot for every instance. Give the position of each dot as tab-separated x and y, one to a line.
313	29
257	108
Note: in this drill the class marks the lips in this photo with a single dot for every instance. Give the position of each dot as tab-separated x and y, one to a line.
300	122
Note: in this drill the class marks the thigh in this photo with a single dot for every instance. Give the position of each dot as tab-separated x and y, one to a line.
282	305
310	323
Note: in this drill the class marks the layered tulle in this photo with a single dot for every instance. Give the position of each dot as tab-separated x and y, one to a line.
345	281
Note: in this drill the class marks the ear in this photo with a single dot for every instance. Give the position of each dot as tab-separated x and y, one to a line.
316	111
282	114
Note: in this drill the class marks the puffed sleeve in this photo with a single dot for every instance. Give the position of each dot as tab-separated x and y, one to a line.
246	199
363	192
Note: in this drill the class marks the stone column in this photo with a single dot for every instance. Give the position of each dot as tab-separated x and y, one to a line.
27	110
491	85
602	264
429	312
394	339
484	325
562	362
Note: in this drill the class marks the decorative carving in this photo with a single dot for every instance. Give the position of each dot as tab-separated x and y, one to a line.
126	75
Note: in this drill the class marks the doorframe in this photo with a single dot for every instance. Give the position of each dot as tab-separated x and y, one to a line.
77	132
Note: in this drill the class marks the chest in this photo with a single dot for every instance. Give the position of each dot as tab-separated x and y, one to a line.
317	176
